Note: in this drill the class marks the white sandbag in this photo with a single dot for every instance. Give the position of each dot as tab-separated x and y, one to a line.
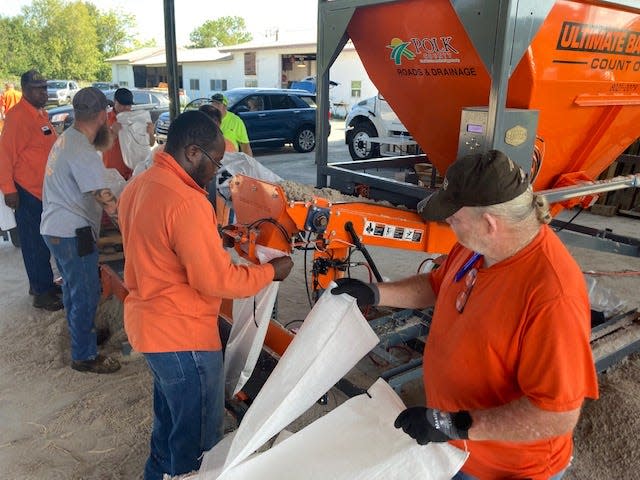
332	339
355	441
238	162
115	181
133	136
251	317
7	217
148	161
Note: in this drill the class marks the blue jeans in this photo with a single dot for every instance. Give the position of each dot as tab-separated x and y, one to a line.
463	476
80	293
35	254
188	407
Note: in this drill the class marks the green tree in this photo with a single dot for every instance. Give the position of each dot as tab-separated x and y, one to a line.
219	32
13	47
113	29
63	38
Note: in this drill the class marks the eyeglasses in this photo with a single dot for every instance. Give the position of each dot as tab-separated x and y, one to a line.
463	296
204	152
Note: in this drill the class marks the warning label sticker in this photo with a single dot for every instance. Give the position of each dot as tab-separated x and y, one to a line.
394	232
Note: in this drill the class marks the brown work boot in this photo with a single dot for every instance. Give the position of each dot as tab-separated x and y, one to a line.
48	301
100	364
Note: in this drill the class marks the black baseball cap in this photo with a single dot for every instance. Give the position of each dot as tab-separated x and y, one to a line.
89	100
123	96
33	78
476	180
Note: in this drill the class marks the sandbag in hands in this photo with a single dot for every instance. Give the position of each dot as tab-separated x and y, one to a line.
366	294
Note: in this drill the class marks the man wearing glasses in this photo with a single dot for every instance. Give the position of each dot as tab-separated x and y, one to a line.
177	273
507	363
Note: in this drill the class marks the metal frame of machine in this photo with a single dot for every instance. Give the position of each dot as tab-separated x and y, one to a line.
322	226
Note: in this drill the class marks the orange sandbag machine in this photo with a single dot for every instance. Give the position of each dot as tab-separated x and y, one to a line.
553	83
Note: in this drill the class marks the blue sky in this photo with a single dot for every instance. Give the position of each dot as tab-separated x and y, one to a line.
259	15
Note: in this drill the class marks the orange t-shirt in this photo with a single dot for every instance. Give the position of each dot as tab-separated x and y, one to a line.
25	144
10	99
524	331
229	146
176	270
112	158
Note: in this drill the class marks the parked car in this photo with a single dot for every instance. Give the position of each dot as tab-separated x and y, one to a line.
273	116
105	86
61	92
155	102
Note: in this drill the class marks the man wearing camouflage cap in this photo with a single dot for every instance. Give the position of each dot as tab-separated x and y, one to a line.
76	191
507	363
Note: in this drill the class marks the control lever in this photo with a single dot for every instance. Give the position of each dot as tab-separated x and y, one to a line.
356	241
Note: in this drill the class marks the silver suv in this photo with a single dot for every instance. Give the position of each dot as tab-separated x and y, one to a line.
61	92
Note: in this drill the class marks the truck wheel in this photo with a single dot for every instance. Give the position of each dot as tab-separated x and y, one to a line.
359	147
305	140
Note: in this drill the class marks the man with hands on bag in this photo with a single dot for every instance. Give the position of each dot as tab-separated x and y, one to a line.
76	190
177	273
507	362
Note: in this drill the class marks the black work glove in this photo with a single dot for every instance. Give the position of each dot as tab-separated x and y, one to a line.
430	425
365	293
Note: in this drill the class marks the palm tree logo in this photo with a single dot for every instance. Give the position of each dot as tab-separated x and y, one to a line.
400	49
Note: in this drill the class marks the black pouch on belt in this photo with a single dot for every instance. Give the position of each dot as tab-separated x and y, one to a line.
86	243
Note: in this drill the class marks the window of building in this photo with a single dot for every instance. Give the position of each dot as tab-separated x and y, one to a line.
251	82
250	63
194	84
356	88
217	85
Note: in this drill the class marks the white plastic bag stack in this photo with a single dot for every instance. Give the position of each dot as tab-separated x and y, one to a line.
133	136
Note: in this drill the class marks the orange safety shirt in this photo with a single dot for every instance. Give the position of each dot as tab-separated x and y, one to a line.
524	331
10	99
25	143
112	158
176	270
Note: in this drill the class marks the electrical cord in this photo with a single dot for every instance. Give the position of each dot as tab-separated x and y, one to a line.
286	325
278	225
306	279
580	209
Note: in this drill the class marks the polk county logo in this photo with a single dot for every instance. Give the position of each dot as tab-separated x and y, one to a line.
400	49
429	49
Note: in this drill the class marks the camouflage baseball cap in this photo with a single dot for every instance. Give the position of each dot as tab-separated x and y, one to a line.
476	180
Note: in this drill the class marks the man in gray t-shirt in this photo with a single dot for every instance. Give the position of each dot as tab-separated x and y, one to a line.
74	171
75	192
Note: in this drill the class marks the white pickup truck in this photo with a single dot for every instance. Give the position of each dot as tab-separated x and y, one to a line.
372	129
